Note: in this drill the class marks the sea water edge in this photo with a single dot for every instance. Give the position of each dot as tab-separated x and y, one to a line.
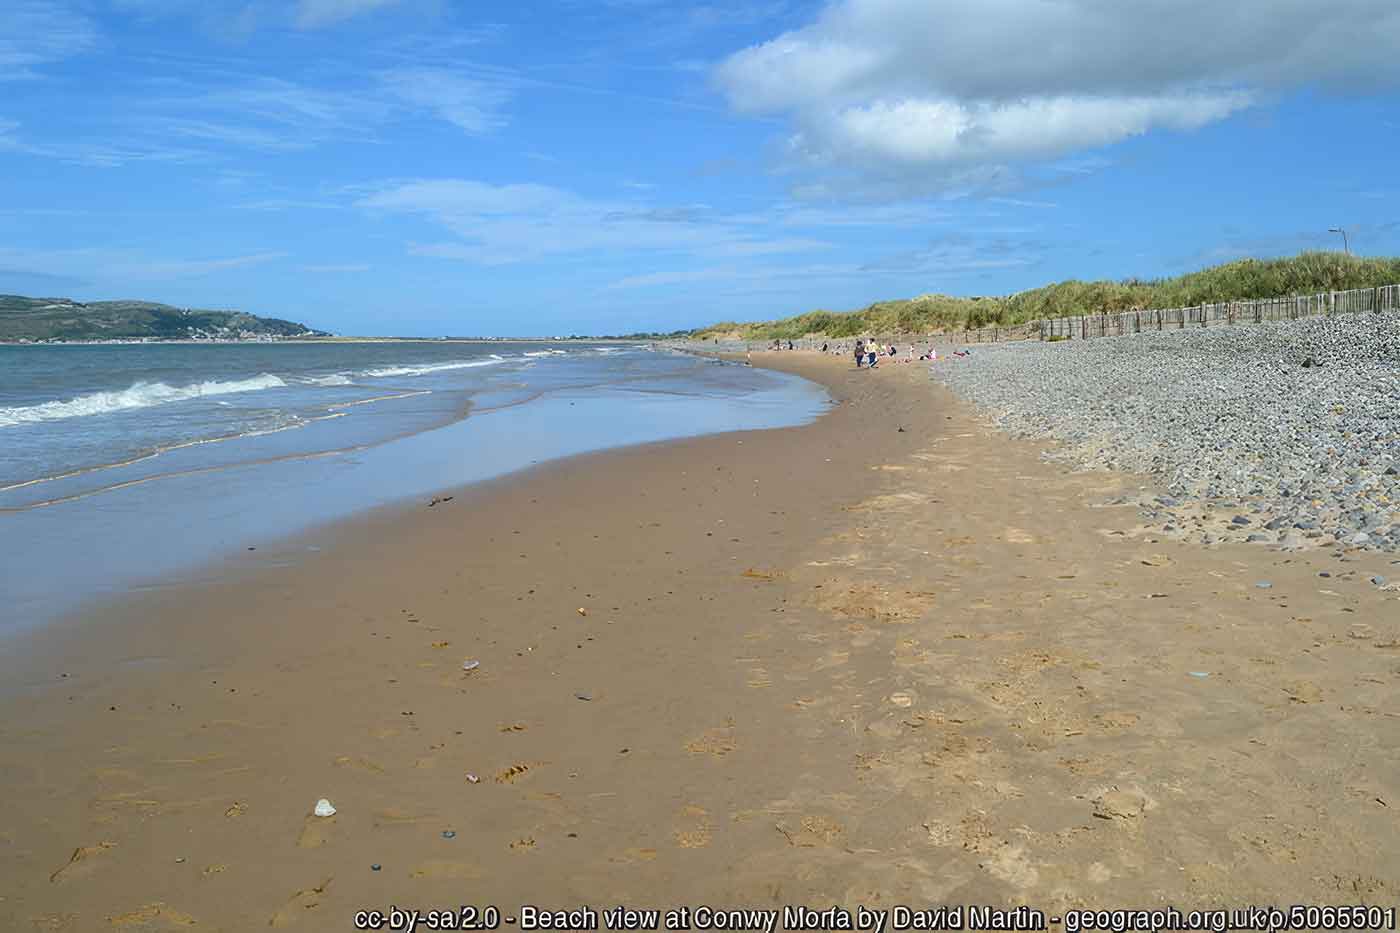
113	519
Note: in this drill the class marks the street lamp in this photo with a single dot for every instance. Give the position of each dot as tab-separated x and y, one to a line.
1345	245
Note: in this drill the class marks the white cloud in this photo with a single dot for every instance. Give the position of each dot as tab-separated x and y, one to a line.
106	154
914	132
36	32
121	265
749	277
919	89
314	13
500	224
185	268
472	104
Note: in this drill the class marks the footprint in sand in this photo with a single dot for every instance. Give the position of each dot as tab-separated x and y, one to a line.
695	830
359	764
157	916
298	906
1116	721
832	659
1122	804
812	831
716	742
1304	692
758	678
902	699
516	772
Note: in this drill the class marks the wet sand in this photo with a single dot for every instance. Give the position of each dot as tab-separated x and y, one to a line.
841	663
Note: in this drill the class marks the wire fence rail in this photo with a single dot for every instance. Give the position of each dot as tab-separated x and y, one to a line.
1118	324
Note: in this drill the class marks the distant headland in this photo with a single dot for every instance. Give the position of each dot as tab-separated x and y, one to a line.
63	320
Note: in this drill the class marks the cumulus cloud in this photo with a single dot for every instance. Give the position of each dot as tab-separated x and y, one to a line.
912	87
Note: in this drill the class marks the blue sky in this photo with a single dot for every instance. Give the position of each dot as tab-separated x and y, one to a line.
605	166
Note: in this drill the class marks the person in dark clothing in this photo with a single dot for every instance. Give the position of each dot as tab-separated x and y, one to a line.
860	353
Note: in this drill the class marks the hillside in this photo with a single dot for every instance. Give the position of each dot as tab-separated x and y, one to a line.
33	319
1307	273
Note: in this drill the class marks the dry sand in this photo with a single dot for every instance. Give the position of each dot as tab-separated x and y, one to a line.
840	663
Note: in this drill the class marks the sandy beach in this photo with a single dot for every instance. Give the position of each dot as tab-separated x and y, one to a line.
892	657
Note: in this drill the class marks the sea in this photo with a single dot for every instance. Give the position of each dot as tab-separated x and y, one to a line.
143	465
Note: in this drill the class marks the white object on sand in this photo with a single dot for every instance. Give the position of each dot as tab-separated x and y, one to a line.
324	808
470	665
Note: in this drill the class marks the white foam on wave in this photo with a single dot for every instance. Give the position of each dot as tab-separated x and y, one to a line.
426	368
140	395
335	379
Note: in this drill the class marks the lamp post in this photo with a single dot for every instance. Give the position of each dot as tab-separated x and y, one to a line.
1346	247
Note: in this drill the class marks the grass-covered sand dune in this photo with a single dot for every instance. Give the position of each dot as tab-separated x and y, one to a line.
1306	273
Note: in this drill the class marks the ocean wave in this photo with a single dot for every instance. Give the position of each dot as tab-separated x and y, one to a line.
426	368
139	395
335	379
548	353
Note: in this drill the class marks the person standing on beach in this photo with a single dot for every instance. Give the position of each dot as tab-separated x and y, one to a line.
860	352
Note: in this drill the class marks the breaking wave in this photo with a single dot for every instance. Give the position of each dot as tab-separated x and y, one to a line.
140	395
432	367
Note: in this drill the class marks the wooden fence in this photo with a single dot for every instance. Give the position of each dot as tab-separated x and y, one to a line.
1384	298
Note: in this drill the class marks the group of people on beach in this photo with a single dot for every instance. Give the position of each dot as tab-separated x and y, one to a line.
867	353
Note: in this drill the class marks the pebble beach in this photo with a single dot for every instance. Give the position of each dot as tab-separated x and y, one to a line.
1285	434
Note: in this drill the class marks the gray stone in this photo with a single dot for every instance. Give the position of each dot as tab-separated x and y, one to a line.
1223	417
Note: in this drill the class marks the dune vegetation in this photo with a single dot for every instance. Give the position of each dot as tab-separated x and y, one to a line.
1306	273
